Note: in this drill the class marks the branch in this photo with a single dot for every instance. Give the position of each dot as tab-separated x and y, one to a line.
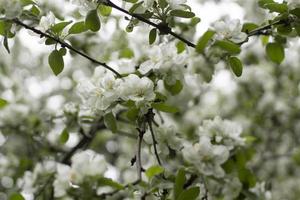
83	142
138	154
64	44
162	28
150	118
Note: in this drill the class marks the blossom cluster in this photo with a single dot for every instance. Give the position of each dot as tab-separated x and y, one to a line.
104	90
216	139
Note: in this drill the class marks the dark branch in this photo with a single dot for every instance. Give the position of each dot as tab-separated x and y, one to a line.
150	119
163	29
64	44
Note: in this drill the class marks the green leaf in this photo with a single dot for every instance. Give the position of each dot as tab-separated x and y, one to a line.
35	10
296	12
246	177
109	182
64	136
248	27
174	89
203	41
296	156
275	52
56	62
57	28
131	1
152	36
132	113
276	7
126	53
228	46
165	108
189	194
26	2
92	21
16	196
104	10
182	14
179	183
153	171
50	41
262	3
3	103
110	122
180	47
162	4
63	51
78	27
135	6
236	66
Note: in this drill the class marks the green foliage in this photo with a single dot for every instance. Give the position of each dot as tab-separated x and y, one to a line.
16	196
92	21
64	136
236	66
190	193
203	41
3	103
182	14
175	88
59	27
152	36
179	183
164	107
110	122
78	27
275	52
228	46
154	171
56	62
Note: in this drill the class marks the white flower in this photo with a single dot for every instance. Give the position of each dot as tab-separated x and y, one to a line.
230	30
222	132
12	8
100	92
163	59
206	157
137	89
46	22
62	180
87	163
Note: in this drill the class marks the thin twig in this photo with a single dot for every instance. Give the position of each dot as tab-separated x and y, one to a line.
154	141
161	28
64	44
138	154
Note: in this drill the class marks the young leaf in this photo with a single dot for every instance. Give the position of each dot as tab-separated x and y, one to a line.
16	196
57	28
64	136
174	89
5	43
104	10
78	27
236	66
164	107
153	171
228	46
152	36
202	42
56	62
92	21
182	14
180	47
110	122
3	103
190	194
179	183
109	182
275	52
